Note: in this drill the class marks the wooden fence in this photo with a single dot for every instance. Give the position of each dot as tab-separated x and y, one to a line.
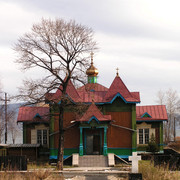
169	161
17	163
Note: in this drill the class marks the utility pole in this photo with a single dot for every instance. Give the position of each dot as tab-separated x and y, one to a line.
174	129
5	118
5	115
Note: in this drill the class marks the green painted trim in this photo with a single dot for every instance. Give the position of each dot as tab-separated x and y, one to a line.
105	142
161	136
134	133
67	151
92	79
118	105
51	129
53	152
120	151
81	142
101	147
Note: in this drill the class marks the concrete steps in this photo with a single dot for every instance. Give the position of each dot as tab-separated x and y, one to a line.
93	161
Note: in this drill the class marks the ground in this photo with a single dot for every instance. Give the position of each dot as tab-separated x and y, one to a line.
47	172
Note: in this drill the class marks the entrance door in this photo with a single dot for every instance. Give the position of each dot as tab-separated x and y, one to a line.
93	144
89	144
96	144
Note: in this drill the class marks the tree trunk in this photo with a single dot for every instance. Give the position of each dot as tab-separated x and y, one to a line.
61	138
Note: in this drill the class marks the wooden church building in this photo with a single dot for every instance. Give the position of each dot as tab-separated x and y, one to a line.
110	122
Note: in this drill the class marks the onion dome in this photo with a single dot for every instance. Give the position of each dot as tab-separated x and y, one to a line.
92	70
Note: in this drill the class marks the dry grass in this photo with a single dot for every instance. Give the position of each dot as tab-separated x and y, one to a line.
149	172
33	175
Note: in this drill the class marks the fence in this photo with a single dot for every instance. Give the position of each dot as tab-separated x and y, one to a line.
170	161
18	163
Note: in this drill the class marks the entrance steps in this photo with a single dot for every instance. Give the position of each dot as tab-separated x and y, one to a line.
93	161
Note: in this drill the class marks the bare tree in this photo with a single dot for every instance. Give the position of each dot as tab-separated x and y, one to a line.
171	100
13	128
160	97
8	121
61	49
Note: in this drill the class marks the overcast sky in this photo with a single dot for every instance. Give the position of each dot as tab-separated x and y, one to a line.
140	37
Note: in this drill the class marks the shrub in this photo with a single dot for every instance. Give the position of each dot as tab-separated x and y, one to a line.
141	147
152	146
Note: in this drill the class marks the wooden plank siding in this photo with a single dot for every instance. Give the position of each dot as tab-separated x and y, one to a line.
157	136
28	134
118	137
71	135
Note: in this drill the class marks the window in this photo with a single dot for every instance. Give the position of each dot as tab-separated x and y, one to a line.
143	136
42	136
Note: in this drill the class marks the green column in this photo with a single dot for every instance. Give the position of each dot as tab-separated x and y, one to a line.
81	143
134	133
105	142
51	130
161	136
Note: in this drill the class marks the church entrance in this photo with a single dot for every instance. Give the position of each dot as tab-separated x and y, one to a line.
93	140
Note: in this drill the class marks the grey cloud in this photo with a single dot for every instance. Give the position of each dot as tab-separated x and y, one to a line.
101	16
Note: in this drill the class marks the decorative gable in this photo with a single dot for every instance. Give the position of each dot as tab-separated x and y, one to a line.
93	118
118	95
118	88
146	115
37	116
70	91
93	113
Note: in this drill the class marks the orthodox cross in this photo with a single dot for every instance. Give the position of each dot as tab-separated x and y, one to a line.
117	72
92	57
134	158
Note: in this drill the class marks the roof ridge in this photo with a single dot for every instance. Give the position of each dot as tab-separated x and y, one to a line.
118	86
93	110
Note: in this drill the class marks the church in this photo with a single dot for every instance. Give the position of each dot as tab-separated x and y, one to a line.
109	121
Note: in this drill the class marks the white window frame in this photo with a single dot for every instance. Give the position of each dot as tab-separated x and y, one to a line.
43	140
144	135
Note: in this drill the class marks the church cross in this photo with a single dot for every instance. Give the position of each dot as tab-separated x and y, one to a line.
117	71
134	158
92	57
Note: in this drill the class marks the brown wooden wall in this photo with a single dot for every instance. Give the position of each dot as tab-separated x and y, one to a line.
157	136
28	134
118	137
30	153
71	134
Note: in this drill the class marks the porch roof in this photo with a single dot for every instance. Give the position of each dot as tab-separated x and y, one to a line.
94	113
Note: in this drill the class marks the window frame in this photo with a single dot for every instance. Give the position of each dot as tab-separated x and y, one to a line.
42	137
143	134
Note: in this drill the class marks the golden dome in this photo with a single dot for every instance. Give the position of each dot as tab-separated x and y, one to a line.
92	71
